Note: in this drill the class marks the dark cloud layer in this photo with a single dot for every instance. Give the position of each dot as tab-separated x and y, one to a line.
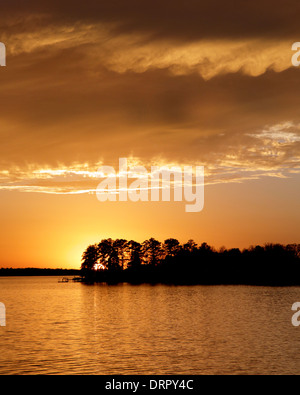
56	110
73	92
178	19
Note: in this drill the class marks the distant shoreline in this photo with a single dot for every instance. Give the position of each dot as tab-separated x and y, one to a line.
27	272
135	279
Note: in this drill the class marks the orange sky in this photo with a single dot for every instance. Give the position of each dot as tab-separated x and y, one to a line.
172	83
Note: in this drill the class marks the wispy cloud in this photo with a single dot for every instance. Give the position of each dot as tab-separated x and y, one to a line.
127	52
278	156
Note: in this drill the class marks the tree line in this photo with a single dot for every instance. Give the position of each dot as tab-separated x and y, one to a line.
170	262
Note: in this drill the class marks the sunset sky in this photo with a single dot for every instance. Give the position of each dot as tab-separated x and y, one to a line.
202	83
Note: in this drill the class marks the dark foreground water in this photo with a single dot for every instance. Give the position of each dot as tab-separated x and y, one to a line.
55	328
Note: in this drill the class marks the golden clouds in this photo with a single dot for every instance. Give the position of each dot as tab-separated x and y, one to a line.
206	58
271	152
101	46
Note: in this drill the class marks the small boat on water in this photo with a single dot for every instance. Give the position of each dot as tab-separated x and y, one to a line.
64	280
74	279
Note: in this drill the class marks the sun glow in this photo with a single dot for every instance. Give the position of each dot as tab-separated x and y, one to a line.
99	266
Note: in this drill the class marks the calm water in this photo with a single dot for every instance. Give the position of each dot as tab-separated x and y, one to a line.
72	328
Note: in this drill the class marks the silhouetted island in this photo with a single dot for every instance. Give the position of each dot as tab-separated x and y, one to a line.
153	262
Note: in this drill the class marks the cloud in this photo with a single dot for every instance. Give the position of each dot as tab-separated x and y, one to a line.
89	83
168	19
184	38
100	46
278	135
279	156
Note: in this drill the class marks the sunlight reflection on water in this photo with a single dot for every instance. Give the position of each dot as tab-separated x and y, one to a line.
73	328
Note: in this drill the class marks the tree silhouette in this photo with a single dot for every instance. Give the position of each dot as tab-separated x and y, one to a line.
152	251
120	246
114	261
190	246
171	247
135	260
90	257
108	254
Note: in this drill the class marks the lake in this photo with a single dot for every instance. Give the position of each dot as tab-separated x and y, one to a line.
72	328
